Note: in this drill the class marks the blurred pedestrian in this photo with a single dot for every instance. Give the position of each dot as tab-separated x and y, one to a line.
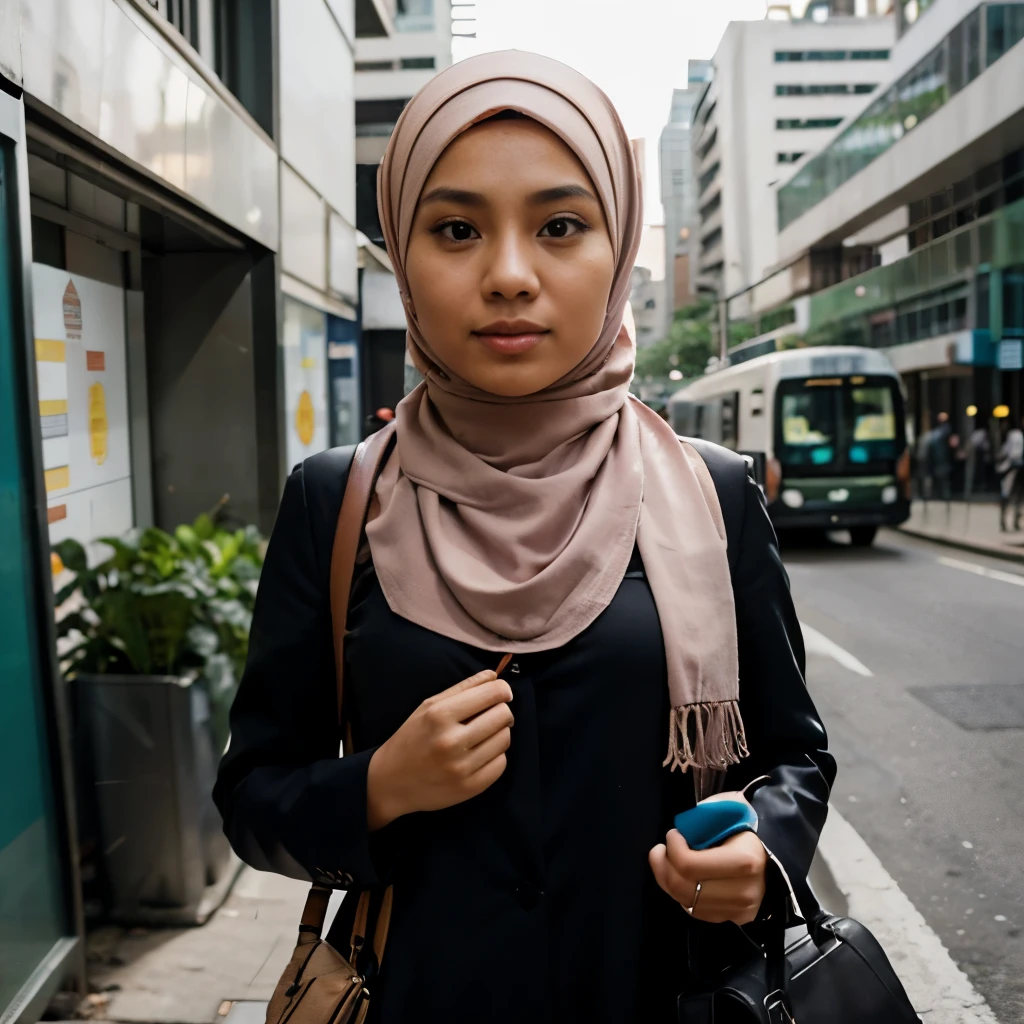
530	507
979	455
939	447
1010	468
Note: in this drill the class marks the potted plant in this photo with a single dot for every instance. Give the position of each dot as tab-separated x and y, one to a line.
152	641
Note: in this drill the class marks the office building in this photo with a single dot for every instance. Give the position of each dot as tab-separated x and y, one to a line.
679	192
779	90
926	184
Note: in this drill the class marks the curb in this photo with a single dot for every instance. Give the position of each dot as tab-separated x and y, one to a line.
976	546
939	990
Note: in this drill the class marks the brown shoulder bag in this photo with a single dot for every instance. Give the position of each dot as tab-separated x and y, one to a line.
320	985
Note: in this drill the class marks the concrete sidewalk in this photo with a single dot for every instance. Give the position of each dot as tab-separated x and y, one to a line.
225	971
970	526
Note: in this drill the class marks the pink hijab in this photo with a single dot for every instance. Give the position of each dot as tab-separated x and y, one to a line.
508	523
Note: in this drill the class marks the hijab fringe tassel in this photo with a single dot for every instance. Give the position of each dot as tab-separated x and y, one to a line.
706	736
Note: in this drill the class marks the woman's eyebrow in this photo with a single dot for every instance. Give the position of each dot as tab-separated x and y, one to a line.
443	194
552	195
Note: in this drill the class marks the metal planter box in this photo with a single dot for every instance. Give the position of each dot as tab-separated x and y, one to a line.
152	759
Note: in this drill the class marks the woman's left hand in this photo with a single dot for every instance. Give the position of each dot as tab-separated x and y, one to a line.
731	876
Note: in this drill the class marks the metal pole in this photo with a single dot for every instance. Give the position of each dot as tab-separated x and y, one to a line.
723	324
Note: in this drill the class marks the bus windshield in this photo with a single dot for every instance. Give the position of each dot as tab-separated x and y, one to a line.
839	425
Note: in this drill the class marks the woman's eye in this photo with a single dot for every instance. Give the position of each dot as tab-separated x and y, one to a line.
457	231
563	227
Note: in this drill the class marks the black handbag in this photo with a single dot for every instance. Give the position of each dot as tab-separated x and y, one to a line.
836	973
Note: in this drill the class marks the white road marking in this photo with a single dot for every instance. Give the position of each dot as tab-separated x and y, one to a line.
981	570
818	643
939	990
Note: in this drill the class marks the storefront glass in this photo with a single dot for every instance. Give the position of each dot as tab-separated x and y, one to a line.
32	914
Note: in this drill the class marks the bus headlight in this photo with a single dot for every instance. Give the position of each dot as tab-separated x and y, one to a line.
890	494
792	498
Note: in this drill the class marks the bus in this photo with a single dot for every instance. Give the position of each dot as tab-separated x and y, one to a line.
826	429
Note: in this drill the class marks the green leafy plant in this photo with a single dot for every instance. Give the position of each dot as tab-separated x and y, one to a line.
163	604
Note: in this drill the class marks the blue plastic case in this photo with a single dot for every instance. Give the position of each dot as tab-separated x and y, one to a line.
714	821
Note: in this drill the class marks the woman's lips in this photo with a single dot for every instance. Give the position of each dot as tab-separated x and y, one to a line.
511	344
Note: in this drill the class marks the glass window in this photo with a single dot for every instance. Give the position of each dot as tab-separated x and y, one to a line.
415	16
957	71
839	424
923	90
809	424
1005	28
784	123
972	29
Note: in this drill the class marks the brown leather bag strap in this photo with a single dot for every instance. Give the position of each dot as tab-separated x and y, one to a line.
355	504
362	476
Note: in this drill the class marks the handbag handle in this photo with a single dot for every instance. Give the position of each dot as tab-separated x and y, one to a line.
365	467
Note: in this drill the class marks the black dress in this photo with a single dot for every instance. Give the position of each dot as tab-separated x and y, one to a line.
533	901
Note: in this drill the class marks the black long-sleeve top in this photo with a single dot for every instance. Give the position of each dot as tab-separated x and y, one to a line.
534	901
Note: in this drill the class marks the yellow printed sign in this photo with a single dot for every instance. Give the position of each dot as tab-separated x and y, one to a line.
50	351
57	479
99	428
305	418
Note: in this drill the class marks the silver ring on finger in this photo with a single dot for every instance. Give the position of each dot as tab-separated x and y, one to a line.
696	896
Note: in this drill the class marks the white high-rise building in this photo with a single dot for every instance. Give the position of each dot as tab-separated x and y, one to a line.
678	189
780	88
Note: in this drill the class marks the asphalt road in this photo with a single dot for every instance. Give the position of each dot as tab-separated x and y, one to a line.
930	742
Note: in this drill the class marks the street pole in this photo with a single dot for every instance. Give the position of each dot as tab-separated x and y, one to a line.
723	324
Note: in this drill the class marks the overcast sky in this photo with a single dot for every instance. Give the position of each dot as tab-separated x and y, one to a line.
636	50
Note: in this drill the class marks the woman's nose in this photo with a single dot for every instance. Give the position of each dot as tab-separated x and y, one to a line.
510	272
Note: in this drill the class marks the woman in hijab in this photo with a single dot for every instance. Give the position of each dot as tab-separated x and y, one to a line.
531	507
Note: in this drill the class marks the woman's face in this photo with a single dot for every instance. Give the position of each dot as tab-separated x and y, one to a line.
510	263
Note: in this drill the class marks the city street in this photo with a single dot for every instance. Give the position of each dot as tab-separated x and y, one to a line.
916	662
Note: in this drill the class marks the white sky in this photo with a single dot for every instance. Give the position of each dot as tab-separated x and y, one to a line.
636	50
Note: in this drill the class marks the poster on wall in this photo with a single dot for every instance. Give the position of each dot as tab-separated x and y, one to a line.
305	380
83	404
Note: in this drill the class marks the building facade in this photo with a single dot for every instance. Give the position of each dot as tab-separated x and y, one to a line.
389	71
679	191
779	90
928	180
179	325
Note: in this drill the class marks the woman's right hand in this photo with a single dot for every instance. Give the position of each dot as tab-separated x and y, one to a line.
450	749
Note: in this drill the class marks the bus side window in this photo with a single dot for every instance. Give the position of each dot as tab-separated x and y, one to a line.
730	419
698	421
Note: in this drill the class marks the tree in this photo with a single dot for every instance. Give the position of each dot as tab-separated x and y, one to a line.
687	348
